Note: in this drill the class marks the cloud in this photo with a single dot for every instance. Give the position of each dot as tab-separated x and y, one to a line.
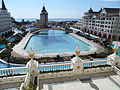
110	0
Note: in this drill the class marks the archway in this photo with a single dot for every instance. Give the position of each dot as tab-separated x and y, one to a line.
104	35
119	37
85	29
109	36
99	34
95	33
3	35
91	32
88	31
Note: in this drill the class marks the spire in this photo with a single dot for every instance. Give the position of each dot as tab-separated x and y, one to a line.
100	10
90	10
3	5
43	9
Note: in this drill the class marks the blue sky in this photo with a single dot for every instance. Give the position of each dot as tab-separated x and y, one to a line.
56	8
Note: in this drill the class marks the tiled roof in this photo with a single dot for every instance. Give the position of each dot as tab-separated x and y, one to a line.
112	10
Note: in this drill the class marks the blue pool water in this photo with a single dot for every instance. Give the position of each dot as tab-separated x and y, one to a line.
2	46
6	65
54	41
30	28
11	39
17	31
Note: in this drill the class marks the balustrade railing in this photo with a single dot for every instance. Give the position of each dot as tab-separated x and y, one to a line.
50	68
13	71
56	67
96	63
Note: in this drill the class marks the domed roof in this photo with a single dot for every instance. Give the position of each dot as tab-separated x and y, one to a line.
43	9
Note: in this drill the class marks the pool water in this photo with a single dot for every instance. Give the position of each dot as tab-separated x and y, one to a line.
11	39
17	31
2	46
7	65
54	41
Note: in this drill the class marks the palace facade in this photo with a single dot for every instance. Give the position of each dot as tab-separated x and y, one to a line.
103	23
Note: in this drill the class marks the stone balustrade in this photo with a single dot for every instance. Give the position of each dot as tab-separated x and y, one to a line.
50	68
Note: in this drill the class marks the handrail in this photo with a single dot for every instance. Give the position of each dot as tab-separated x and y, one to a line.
47	68
54	65
96	61
13	68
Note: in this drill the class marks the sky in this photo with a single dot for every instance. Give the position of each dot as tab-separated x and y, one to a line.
56	8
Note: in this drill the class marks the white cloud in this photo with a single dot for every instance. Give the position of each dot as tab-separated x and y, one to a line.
110	0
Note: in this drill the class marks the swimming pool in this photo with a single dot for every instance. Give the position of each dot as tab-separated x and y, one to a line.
7	65
11	39
2	46
54	41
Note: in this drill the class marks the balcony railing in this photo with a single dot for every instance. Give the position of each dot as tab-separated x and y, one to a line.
96	63
55	68
13	71
51	68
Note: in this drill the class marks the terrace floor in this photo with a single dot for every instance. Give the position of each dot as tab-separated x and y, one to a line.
101	81
108	81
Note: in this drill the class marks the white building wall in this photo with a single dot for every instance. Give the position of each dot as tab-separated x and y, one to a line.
103	24
5	22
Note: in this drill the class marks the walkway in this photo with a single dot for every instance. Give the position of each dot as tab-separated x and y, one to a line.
83	32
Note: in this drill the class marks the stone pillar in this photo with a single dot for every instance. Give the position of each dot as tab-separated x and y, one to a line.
77	65
32	77
115	59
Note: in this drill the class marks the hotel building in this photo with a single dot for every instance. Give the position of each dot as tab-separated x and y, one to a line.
104	23
5	21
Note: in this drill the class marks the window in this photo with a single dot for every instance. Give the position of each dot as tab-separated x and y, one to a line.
111	31
109	18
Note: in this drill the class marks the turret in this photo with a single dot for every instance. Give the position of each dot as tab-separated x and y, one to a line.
44	17
3	5
90	10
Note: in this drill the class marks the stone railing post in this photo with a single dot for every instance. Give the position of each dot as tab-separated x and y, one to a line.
77	65
115	59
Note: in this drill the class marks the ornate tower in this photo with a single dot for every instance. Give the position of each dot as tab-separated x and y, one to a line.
44	17
3	5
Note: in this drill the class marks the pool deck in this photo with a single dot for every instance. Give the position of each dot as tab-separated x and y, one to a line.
18	50
82	31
